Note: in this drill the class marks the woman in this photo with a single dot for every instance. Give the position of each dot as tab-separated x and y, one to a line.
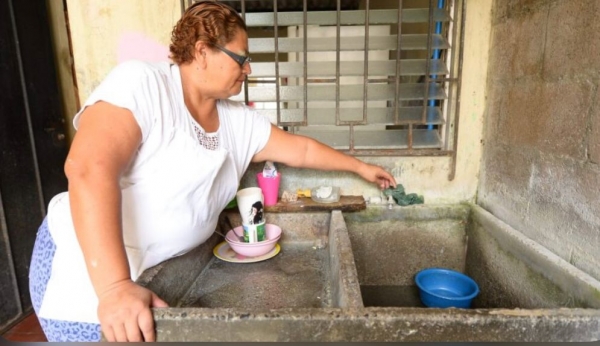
158	154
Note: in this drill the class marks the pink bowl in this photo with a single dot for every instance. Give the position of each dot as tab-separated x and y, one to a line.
254	249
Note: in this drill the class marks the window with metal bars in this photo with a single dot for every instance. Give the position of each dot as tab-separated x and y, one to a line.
309	59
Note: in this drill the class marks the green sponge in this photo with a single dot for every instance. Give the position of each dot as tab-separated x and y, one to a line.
402	198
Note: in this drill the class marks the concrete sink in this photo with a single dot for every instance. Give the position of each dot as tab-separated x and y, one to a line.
350	277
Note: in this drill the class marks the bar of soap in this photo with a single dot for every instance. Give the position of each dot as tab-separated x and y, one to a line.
303	193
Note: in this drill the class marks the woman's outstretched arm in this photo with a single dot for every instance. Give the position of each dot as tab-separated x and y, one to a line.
300	151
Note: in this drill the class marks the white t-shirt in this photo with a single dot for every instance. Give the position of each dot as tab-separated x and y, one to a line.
172	192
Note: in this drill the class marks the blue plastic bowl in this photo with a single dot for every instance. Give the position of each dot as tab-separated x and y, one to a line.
445	288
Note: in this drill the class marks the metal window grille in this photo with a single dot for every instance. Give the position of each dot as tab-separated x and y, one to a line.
309	63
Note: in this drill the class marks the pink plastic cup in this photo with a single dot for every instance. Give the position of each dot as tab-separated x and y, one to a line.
269	187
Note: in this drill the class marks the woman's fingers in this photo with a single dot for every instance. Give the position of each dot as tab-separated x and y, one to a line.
120	335
133	330
146	324
158	303
383	178
384	184
108	333
126	315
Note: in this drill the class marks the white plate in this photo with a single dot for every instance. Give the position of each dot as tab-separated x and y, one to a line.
224	252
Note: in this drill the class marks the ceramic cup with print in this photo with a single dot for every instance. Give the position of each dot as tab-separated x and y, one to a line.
251	205
255	233
269	187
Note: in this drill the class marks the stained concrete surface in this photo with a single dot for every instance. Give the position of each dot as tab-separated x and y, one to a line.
497	251
297	277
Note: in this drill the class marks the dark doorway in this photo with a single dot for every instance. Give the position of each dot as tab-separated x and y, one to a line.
33	146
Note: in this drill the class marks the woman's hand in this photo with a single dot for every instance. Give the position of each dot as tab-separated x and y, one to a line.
377	175
124	312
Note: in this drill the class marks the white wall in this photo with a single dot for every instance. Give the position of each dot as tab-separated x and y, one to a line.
106	32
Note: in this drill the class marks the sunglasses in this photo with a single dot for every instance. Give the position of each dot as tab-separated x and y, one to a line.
240	59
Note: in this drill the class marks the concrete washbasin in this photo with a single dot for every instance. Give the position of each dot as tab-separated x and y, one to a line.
350	277
307	273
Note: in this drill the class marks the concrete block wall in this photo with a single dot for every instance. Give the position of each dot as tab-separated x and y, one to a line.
541	157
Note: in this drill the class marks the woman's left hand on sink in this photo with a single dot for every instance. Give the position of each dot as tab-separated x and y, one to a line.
124	312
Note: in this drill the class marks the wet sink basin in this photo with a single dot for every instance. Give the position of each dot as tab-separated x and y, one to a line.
511	270
390	247
350	277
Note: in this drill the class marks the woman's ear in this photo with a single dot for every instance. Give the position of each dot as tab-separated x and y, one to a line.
200	50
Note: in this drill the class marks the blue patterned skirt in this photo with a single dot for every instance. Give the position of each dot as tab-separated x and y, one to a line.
39	274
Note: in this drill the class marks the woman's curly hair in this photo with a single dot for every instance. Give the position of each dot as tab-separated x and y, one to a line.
209	21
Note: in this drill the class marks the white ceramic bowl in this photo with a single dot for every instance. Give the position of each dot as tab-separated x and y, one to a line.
273	233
